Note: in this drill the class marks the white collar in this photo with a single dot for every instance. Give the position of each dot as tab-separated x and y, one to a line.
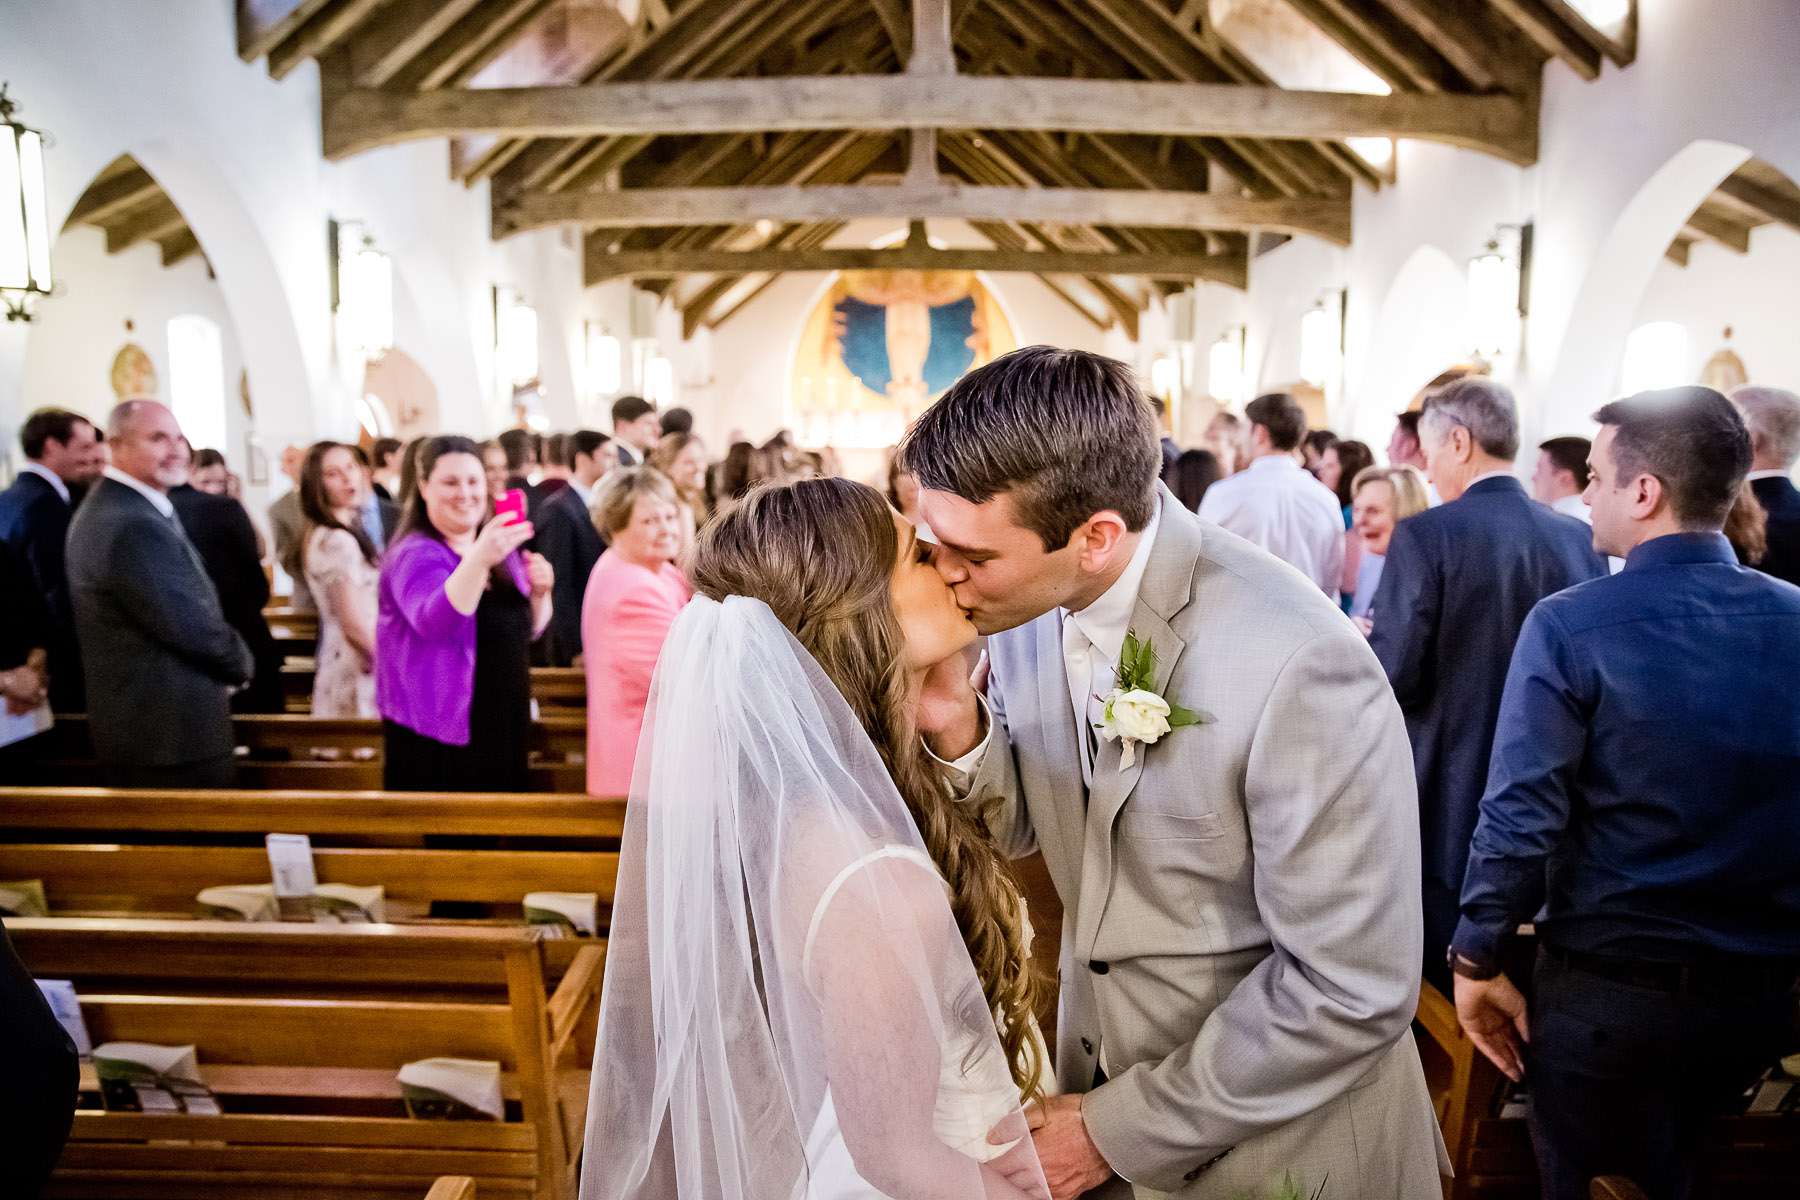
1277	462
1107	620
159	499
1573	505
586	493
49	476
1754	475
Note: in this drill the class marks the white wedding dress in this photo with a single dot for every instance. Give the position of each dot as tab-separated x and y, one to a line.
789	1011
975	1084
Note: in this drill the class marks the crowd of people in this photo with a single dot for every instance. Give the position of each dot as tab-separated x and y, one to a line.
1589	665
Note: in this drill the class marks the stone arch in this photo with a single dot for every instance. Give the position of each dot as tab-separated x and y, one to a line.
1419	330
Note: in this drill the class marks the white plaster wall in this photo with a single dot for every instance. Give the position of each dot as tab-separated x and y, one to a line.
239	154
1757	295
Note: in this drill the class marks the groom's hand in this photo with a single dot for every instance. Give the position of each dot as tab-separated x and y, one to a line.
1072	1163
949	713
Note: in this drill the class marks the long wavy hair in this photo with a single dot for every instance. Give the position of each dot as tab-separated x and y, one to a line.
821	554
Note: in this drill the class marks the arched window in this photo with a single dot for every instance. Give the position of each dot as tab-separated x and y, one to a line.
1656	356
197	380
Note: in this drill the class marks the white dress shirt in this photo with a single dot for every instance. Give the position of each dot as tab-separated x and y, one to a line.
1104	623
48	476
160	499
1574	506
1752	477
1277	505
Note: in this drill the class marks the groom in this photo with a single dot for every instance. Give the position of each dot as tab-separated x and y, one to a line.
1241	929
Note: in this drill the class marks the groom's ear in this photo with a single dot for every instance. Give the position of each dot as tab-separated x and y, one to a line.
1097	539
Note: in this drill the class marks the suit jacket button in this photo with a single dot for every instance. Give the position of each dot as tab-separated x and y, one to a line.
1087	1047
1099	967
1191	1175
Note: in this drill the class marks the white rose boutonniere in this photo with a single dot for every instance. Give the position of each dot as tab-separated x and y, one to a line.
1134	713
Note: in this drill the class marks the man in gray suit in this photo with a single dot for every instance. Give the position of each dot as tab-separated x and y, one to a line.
288	524
1241	929
161	660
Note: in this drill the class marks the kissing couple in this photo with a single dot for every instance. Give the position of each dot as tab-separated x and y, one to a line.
819	983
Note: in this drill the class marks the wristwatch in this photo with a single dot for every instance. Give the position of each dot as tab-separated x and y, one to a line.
1468	968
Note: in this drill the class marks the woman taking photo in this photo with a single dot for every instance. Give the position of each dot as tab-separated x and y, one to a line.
341	567
633	596
461	600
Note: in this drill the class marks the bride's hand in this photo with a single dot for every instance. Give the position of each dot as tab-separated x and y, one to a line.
949	714
1019	1165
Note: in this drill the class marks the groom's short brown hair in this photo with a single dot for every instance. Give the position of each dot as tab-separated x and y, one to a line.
1068	433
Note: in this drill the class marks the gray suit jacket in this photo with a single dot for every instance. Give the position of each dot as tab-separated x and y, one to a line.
1242	928
288	524
160	658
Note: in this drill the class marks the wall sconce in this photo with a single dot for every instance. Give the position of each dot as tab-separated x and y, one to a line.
1225	376
24	223
515	340
1498	278
362	291
605	361
659	381
1322	339
1165	378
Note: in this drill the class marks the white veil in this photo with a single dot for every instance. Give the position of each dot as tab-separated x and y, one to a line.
781	947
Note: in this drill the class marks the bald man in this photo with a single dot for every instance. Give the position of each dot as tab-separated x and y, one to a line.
160	659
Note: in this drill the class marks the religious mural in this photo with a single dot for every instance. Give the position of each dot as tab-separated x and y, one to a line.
881	345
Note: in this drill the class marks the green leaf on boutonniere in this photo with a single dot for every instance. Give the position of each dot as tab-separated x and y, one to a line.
1179	716
1137	665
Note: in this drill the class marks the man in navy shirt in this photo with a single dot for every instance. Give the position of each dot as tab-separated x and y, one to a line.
1644	794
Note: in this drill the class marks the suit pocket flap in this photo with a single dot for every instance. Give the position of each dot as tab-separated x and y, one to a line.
1135	823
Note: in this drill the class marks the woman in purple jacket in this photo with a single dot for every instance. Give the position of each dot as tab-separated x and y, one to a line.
461	601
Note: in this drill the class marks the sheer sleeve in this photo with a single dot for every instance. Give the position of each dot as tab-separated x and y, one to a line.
331	556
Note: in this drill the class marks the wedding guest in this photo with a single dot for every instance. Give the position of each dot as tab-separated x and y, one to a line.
1773	416
409	473
384	473
677	420
1275	504
567	539
636	429
208	472
1403	448
1224	436
340	562
495	468
1747	528
1382	497
902	489
1456	586
460	602
231	551
1561	476
1312	450
553	476
633	597
62	456
1339	465
378	518
1195	472
520	447
681	457
159	655
744	467
287	524
1643	807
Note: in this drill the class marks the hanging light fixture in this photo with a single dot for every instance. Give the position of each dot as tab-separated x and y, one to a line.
515	339
24	224
363	292
1225	368
605	362
1497	296
1322	340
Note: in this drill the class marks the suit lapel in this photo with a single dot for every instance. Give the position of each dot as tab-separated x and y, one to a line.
1166	590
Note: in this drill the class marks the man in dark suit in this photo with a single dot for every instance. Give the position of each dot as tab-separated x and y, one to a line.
1458	583
567	537
1645	799
63	456
221	532
161	659
1773	416
636	429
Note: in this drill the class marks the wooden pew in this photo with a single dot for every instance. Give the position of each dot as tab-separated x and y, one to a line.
452	1187
554	688
299	1032
105	852
304	752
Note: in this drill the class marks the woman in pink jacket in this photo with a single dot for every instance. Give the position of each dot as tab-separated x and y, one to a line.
632	598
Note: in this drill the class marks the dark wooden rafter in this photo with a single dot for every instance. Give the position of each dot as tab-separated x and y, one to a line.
1552	34
400	33
157	220
1754	195
470	44
320	34
1468	38
264	24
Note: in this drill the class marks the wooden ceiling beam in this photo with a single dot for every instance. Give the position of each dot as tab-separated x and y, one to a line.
399	34
1006	239
659	263
157	221
178	246
640	207
1486	59
264	24
109	198
1708	223
1678	251
470	44
1553	35
360	119
1764	202
324	31
1403	65
896	22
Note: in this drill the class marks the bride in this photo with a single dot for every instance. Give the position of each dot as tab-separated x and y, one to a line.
818	983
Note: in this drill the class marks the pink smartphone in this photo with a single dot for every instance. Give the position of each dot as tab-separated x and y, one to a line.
511	505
